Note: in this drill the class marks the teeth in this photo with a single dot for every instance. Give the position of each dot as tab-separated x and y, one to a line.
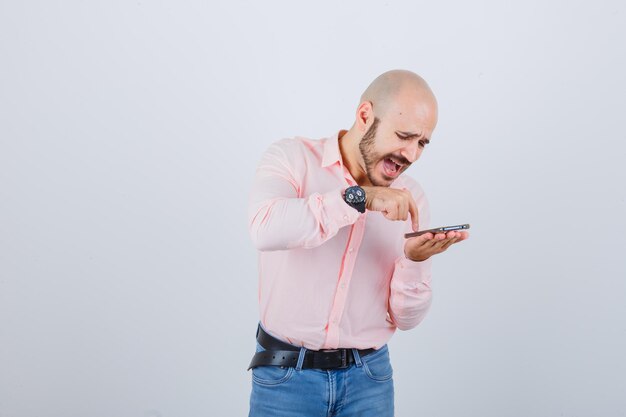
395	162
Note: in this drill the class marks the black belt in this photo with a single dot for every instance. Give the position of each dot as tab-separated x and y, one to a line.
279	353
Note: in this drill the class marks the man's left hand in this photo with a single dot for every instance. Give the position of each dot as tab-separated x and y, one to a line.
422	247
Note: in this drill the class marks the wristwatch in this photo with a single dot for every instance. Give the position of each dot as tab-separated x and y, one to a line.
355	197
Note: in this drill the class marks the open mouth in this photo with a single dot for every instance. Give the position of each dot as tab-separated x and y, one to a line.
392	167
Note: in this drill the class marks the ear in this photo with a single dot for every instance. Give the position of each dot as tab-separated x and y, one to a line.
364	116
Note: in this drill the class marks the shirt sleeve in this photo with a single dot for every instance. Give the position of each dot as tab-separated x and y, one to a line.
278	217
410	293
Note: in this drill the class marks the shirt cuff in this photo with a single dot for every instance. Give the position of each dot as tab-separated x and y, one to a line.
411	272
338	210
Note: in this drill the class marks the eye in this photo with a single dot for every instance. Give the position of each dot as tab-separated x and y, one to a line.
421	143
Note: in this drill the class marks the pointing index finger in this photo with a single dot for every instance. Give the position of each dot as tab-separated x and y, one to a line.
414	213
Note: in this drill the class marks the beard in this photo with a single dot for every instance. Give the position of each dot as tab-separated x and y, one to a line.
367	146
369	155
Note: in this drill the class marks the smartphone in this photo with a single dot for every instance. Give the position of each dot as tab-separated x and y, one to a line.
438	230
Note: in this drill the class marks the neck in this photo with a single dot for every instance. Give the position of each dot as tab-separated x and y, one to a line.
351	155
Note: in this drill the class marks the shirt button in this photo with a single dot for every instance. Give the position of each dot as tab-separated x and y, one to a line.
335	321
345	218
343	285
351	250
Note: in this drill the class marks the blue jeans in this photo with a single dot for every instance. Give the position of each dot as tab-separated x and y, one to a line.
365	389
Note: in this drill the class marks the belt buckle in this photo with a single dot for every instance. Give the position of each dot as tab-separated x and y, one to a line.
344	359
342	363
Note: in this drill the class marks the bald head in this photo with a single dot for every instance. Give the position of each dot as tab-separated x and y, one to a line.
394	122
398	86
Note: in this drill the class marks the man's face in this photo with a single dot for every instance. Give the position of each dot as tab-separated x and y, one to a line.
391	145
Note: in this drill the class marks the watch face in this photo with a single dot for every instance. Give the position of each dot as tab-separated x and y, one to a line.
355	195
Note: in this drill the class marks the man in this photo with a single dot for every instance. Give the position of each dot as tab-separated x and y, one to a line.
336	275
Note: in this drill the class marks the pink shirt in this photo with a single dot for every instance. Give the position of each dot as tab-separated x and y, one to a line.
329	276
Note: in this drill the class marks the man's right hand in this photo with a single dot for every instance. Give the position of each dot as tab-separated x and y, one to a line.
393	203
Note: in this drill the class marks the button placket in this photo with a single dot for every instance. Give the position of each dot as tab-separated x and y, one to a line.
339	302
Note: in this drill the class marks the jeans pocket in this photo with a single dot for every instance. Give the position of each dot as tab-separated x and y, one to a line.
377	365
271	375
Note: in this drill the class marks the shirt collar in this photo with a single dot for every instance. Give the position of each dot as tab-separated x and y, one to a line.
332	154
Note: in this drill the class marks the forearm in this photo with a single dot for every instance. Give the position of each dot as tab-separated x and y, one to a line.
410	294
281	223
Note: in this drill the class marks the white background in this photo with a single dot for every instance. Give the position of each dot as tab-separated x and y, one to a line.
129	135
